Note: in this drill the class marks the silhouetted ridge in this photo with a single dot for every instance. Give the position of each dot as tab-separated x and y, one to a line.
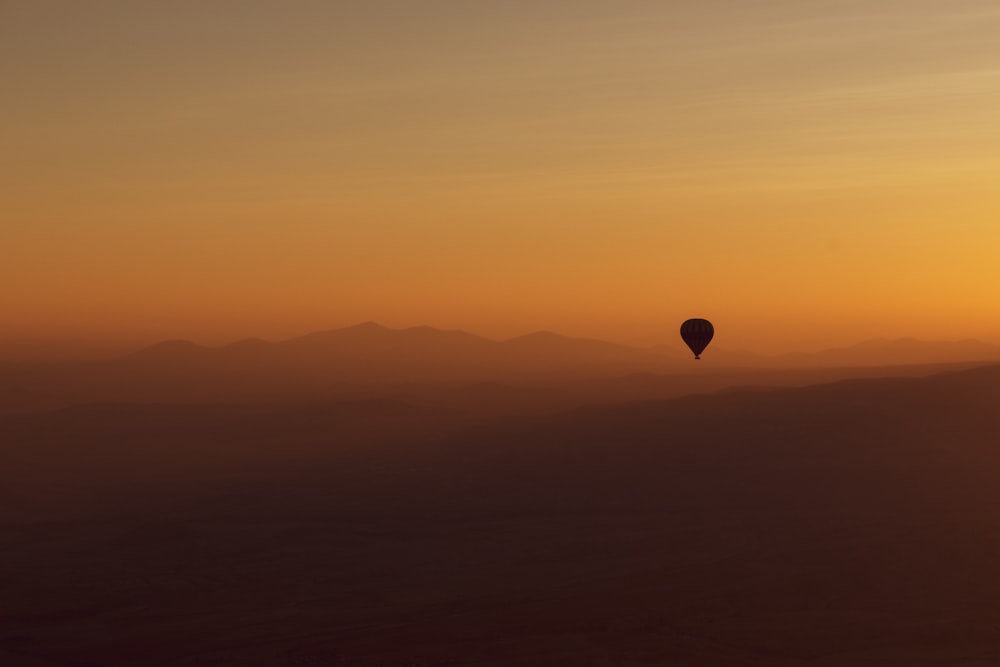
454	346
551	339
248	344
363	330
171	350
370	352
898	351
367	358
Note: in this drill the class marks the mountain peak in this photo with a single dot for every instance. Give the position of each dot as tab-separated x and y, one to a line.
168	349
541	335
366	326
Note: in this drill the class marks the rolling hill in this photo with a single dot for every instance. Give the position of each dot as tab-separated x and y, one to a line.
848	523
369	360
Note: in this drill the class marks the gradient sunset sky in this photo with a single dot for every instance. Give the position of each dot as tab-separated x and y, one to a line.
804	173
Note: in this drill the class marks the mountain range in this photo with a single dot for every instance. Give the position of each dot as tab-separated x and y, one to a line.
371	349
369	360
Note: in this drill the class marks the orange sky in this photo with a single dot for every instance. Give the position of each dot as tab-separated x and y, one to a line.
805	173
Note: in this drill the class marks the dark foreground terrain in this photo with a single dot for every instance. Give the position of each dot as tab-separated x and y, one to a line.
854	523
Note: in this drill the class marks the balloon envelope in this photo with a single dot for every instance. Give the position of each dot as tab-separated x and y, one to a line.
697	333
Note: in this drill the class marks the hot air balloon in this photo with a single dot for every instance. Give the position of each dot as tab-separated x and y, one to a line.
697	334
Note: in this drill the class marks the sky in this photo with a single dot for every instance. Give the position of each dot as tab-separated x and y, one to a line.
804	173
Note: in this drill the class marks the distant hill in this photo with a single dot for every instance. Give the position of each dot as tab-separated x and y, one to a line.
372	353
372	349
879	352
897	352
370	360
